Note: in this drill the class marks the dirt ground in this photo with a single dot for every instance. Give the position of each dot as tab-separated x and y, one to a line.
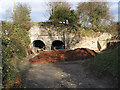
67	74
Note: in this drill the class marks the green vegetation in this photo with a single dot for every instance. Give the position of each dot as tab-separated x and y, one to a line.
87	32
95	13
106	61
15	40
61	13
90	19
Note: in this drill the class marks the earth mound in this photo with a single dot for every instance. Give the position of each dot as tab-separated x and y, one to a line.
62	55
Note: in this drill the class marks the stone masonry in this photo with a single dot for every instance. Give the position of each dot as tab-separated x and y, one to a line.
48	35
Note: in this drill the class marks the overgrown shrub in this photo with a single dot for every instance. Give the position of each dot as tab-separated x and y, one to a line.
15	42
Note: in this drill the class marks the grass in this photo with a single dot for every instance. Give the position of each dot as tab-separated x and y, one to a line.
106	61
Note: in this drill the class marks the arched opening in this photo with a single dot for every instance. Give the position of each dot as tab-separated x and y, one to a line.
57	44
38	44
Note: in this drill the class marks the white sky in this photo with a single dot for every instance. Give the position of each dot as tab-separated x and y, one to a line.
39	12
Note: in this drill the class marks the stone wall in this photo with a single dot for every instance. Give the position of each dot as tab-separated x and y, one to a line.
48	35
92	43
71	41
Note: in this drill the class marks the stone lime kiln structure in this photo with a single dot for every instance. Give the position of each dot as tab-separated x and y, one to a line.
50	34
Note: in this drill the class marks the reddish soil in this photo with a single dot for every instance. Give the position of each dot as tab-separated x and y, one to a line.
62	55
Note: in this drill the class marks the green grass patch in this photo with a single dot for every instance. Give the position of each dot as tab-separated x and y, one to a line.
105	62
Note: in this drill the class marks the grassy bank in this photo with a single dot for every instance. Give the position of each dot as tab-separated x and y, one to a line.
106	62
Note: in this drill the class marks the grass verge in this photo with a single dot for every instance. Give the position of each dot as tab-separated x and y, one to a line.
106	61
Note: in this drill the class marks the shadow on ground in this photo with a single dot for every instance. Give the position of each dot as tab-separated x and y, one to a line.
72	74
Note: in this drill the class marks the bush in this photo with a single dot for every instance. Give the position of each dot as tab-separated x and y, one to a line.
15	42
87	32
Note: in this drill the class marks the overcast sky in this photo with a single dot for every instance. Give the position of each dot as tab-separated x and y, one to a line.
39	8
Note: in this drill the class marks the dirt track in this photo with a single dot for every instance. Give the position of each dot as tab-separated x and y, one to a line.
72	74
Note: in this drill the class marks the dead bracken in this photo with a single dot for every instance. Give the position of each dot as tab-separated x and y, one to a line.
62	55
